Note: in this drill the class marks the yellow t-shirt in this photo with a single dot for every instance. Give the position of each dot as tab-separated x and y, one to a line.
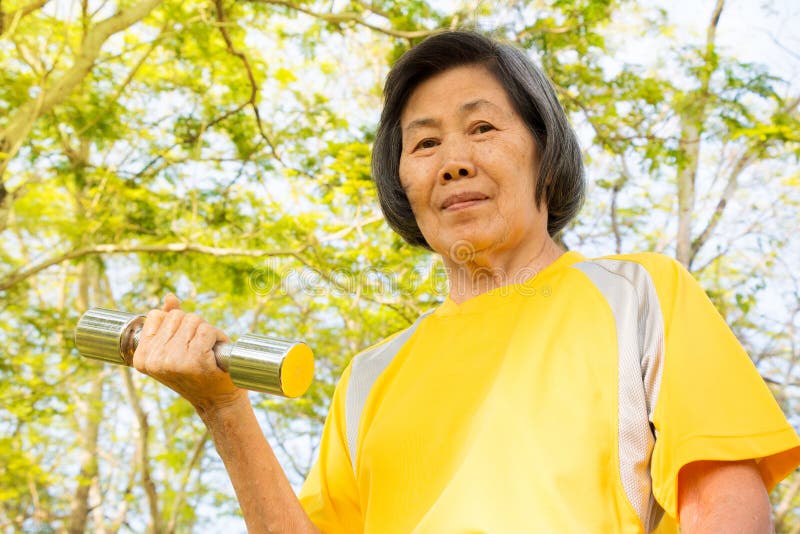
568	403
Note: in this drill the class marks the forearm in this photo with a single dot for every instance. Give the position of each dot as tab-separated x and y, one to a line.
268	502
723	497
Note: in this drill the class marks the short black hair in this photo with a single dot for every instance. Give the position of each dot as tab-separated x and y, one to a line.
560	183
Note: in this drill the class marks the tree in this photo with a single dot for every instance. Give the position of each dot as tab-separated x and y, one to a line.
220	150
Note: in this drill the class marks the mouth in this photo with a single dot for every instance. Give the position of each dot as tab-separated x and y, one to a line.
462	200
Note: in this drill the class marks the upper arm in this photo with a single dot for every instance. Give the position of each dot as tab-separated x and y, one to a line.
329	495
716	496
712	403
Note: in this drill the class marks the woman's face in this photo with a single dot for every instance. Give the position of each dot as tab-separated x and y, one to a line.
469	166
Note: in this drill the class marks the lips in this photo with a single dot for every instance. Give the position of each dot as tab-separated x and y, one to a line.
460	198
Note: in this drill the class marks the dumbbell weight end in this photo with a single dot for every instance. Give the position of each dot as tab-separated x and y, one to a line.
259	363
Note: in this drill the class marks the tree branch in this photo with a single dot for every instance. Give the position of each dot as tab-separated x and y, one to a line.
131	75
79	504
392	305
142	450
722	252
727	194
251	79
787	502
343	18
281	443
355	227
749	155
22	120
180	494
618	185
38	514
169	248
711	32
9	21
122	511
693	118
34	63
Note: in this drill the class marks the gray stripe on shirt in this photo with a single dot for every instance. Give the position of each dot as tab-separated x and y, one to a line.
631	295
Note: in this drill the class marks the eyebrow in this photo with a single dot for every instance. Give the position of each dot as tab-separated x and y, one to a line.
463	109
472	105
420	123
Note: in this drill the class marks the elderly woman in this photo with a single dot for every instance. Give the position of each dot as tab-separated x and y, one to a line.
549	392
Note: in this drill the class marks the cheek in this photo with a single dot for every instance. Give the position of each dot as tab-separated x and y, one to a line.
416	201
406	178
528	166
413	186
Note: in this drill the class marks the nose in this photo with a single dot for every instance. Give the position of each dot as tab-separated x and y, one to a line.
457	164
461	171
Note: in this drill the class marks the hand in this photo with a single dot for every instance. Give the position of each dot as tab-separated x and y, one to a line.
175	348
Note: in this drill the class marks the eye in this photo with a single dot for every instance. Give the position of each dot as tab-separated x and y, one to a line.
426	143
482	128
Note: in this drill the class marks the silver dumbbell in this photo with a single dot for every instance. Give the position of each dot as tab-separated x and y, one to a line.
259	363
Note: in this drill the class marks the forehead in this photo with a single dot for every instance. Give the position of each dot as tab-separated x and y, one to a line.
459	89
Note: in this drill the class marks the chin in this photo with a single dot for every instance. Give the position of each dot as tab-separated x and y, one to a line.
464	247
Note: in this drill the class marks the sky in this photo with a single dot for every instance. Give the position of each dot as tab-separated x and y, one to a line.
756	31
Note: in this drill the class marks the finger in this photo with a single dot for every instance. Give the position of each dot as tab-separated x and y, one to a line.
185	332
222	336
152	323
203	343
171	302
169	326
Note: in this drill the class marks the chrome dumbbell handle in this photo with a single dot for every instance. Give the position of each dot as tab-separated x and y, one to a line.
259	363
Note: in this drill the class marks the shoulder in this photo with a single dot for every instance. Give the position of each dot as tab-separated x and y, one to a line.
652	261
652	280
380	349
387	345
370	360
370	363
660	269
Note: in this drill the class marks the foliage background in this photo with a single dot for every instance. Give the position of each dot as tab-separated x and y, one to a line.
220	150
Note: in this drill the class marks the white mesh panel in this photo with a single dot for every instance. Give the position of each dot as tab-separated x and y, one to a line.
367	367
631	295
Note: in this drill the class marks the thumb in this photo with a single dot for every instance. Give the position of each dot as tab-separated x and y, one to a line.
171	302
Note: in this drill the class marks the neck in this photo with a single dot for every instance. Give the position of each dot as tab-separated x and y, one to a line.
483	272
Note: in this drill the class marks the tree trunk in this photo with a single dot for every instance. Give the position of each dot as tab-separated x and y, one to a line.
79	508
693	116
687	169
21	121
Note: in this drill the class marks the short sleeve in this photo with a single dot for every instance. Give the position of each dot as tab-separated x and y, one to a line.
712	403
329	495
